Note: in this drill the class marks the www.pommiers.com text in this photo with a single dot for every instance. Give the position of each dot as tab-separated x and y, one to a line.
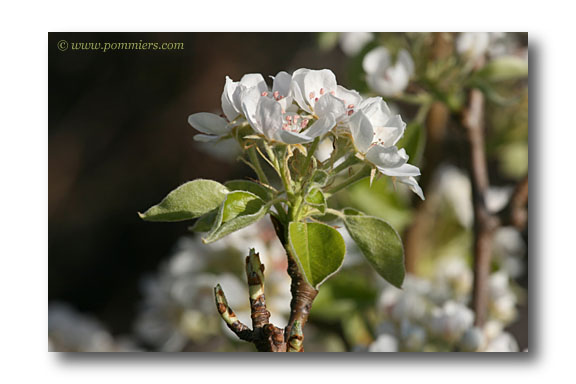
64	45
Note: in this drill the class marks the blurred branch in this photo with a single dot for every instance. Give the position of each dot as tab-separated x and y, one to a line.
516	213
484	222
435	124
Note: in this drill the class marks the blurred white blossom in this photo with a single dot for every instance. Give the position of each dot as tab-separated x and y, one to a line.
179	304
384	76
70	331
353	42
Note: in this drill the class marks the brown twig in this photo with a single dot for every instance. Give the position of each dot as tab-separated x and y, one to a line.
484	222
515	214
265	336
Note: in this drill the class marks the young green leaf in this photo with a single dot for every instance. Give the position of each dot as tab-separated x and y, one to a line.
188	201
316	199
239	210
318	248
379	243
250	186
205	222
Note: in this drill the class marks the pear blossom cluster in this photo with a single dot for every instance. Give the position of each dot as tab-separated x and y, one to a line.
432	314
306	106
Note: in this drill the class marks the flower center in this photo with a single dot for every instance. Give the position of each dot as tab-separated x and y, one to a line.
293	122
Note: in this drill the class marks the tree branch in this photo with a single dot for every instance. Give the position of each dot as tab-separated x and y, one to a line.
265	336
516	213
229	317
484	222
303	294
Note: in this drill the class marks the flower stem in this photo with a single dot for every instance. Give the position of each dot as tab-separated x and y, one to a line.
311	151
350	160
253	155
364	172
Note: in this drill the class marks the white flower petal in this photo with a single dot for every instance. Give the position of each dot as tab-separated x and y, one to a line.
353	42
249	105
473	44
205	138
281	83
315	80
389	134
350	97
292	137
227	95
376	59
412	184
386	157
299	96
325	149
209	123
321	126
403	170
269	116
329	104
376	110
362	131
405	60
254	80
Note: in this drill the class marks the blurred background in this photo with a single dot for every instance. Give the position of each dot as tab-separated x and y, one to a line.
119	141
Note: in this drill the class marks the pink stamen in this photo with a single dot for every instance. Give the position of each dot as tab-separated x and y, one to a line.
321	91
312	95
276	94
296	117
350	106
316	99
264	93
303	123
350	112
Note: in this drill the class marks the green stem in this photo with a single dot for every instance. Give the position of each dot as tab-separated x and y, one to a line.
285	175
253	155
351	160
420	98
364	172
335	212
311	151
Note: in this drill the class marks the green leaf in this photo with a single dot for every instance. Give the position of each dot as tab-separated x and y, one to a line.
205	222
320	178
239	210
318	248
504	68
188	201
245	185
379	243
316	199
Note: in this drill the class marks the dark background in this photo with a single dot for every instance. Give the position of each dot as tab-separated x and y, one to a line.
119	140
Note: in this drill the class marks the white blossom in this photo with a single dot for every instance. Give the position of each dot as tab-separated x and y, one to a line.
353	42
375	132
384	76
384	343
